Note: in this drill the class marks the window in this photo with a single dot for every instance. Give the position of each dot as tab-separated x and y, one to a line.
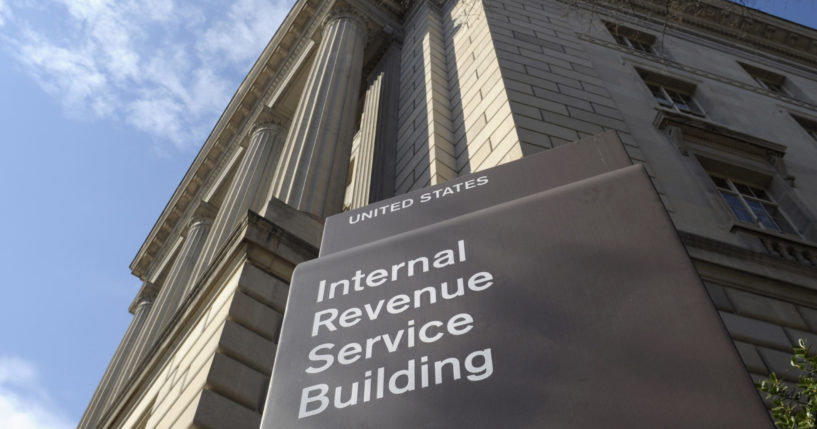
674	99
672	93
631	38
808	125
767	80
633	43
747	173
752	204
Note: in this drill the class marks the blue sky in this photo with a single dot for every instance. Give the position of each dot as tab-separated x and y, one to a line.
104	105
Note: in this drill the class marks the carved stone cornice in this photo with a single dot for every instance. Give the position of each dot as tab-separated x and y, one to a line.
221	140
173	226
666	62
719	134
724	19
741	253
245	110
267	245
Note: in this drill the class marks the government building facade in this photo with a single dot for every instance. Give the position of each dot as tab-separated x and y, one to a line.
356	101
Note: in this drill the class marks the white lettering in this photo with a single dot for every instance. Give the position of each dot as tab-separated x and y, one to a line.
328	359
306	399
318	321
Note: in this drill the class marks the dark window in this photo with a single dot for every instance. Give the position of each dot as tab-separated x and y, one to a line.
752	204
631	38
672	93
773	82
808	125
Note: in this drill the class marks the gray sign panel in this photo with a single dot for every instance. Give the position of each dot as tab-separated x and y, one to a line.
549	169
575	307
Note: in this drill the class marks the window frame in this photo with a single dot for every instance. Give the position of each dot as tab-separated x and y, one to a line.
713	149
634	44
673	94
770	81
764	202
777	88
675	99
808	125
631	38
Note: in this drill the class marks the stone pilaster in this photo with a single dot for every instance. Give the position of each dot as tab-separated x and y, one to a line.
312	174
105	389
248	190
425	141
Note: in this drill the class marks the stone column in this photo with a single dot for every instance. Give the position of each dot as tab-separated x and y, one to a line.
105	391
248	190
312	173
373	175
179	280
172	292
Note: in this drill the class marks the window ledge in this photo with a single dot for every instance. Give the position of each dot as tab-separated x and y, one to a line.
786	246
694	126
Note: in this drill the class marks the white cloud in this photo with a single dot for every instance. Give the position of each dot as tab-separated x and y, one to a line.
5	12
245	32
166	69
23	402
71	74
155	114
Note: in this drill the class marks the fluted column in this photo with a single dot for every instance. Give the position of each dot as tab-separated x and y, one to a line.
373	175
171	293
247	191
312	173
179	280
105	389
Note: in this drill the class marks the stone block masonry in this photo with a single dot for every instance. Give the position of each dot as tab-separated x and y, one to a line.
763	328
555	94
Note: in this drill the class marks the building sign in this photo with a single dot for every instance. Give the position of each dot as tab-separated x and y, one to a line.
548	169
573	307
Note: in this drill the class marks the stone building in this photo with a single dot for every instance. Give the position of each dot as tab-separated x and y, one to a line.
354	101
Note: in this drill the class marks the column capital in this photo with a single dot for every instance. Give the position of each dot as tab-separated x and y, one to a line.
145	296
148	292
347	13
268	119
270	126
203	214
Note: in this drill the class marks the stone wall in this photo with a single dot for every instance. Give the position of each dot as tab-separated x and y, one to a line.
764	328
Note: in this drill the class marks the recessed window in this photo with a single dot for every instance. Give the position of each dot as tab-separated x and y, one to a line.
768	80
675	99
747	173
631	38
808	125
752	204
672	93
633	43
